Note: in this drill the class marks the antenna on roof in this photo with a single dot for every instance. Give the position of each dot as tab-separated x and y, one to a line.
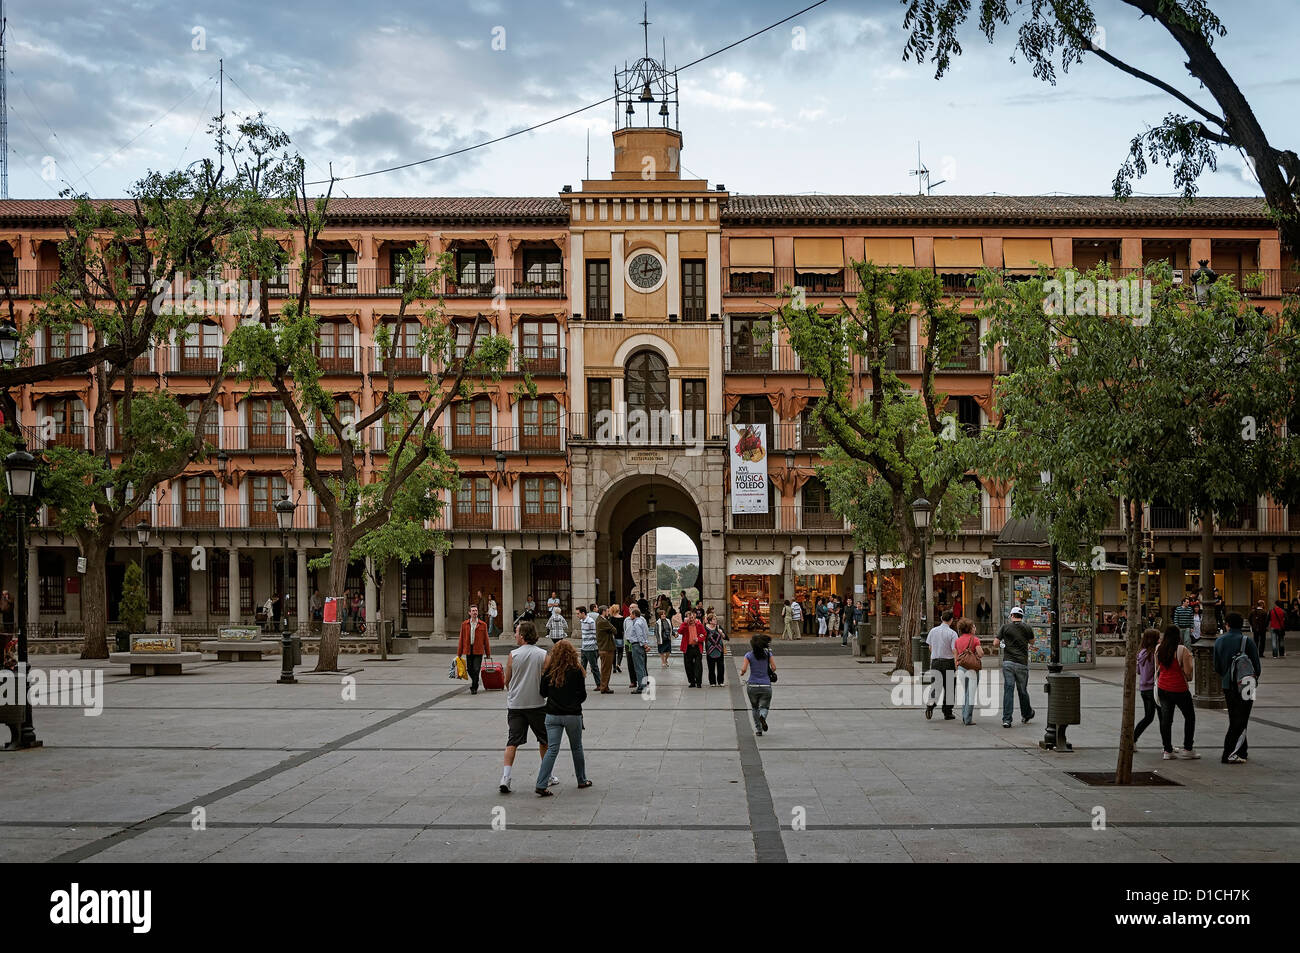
923	184
589	152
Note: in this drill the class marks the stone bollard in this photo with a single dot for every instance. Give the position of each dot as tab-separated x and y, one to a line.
1207	690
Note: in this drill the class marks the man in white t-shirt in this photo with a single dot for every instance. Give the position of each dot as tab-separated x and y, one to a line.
941	640
525	706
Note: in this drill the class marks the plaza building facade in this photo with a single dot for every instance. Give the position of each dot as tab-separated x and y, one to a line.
641	305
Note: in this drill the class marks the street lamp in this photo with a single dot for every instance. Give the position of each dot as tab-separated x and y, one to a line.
20	479
284	514
921	519
9	338
1202	278
501	461
223	464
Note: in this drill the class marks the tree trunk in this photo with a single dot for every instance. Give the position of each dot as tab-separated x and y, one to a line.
1207	566
94	599
1124	764
880	614
909	620
328	661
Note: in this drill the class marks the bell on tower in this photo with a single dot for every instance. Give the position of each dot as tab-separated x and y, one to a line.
647	142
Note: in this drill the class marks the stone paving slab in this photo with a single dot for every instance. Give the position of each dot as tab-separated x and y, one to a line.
405	768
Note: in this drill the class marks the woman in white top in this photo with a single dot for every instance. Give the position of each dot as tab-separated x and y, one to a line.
492	616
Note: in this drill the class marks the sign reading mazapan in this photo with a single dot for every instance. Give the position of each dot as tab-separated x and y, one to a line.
755	564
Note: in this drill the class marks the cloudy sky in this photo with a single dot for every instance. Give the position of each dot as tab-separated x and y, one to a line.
99	93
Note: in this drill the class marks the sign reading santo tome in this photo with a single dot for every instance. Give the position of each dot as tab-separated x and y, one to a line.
748	468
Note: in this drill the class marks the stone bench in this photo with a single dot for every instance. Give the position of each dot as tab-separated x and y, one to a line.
155	655
239	644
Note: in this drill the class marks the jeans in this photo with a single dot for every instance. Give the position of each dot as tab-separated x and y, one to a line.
716	668
591	660
556	728
1234	742
636	662
1015	681
1279	644
694	666
760	700
1183	702
943	666
474	663
1149	713
618	654
970	680
1259	641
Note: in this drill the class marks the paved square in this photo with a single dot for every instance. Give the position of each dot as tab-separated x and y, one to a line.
408	771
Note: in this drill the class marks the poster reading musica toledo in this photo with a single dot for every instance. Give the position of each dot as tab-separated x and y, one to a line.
748	468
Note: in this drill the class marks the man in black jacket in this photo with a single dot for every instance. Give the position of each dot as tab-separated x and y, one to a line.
1240	698
1014	639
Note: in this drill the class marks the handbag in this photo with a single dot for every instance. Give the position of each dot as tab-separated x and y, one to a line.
771	672
968	659
462	671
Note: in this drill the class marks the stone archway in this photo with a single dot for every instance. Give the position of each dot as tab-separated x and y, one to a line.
647	523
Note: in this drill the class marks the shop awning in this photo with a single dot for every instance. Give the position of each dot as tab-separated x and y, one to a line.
944	562
958	253
820	564
891	251
819	256
750	252
887	564
755	564
1026	252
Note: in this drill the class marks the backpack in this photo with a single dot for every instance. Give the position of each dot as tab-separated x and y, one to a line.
1241	669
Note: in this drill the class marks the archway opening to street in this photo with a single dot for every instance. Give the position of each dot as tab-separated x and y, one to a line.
628	519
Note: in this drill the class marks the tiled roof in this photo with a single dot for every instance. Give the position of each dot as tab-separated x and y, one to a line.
955	209
429	210
767	210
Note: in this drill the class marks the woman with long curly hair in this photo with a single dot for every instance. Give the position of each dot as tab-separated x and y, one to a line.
564	688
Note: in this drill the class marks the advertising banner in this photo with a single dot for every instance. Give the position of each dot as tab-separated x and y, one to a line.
748	468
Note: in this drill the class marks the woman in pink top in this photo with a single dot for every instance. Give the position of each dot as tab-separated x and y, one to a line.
1173	669
1147	681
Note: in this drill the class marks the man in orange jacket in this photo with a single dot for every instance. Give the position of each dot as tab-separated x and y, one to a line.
692	634
474	645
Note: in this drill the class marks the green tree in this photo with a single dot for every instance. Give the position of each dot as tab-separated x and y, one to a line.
666	578
1065	32
385	517
119	270
1118	407
687	576
895	434
131	609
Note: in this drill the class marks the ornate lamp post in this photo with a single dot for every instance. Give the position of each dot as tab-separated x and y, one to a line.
20	480
921	519
1202	278
284	514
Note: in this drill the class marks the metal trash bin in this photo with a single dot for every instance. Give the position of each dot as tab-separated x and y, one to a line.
864	640
920	653
1064	699
1207	685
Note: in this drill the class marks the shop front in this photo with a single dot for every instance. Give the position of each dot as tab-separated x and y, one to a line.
889	579
751	580
957	584
820	576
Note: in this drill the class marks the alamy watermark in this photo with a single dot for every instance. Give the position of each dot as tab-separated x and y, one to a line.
649	428
203	297
56	688
1130	297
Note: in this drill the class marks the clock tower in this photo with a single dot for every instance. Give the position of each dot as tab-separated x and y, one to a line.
646	340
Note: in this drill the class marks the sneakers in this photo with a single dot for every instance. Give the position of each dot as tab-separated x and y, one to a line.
1234	759
1167	756
553	782
1025	721
505	785
758	732
1006	724
1187	754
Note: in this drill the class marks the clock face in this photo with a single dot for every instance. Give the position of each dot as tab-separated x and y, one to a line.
645	271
